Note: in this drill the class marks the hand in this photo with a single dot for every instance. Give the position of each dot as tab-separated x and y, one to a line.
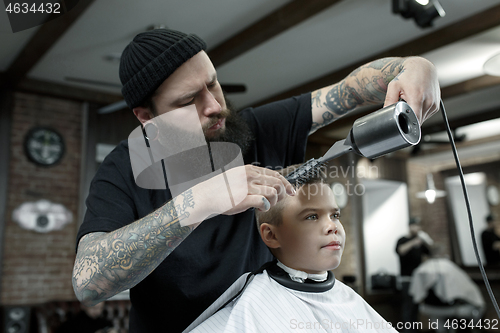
250	186
418	85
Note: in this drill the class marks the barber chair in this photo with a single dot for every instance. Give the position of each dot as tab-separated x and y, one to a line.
439	312
444	291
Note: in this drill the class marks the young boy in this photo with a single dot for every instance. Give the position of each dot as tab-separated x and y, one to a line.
296	292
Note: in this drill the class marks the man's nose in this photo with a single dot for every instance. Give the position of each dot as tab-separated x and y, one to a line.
209	106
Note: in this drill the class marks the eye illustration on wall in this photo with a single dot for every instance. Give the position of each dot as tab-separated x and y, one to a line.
42	216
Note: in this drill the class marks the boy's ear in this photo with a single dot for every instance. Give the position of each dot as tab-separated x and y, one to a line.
143	114
268	235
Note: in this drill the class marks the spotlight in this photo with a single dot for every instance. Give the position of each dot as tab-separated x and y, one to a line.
422	11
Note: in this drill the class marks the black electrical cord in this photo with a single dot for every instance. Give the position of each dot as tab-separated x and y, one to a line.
467	204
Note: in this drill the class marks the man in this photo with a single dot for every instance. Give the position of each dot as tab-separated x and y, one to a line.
411	250
491	242
129	233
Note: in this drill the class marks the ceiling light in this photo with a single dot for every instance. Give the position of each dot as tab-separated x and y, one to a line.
431	193
492	65
422	11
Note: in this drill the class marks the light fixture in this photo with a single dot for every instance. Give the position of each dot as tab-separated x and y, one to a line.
431	193
492	65
422	11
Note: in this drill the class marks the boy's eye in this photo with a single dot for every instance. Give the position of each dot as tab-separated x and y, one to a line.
312	217
336	215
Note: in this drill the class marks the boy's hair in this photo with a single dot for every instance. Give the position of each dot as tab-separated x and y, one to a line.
274	215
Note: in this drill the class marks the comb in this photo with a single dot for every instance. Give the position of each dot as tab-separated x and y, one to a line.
313	168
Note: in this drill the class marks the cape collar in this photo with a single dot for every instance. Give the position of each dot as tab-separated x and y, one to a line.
279	275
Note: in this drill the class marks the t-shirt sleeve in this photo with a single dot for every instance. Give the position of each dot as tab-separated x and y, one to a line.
400	241
109	203
282	126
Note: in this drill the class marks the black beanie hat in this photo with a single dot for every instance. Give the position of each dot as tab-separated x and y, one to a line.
150	58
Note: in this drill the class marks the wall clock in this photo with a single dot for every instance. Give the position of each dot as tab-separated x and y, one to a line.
44	146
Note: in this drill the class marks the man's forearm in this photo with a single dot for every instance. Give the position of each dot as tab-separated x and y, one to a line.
108	263
365	85
406	247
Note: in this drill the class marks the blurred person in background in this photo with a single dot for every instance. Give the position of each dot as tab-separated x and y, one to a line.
491	242
411	250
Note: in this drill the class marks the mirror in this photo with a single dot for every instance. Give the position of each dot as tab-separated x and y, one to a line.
476	188
385	220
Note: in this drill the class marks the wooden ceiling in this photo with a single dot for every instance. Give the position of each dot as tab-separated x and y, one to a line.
280	20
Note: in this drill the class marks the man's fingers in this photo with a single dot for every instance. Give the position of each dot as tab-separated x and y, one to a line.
256	201
392	95
270	193
271	178
265	205
290	190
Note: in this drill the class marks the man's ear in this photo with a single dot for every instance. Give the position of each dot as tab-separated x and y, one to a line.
143	114
268	235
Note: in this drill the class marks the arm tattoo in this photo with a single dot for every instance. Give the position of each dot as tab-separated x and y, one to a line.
365	85
340	99
372	87
316	98
108	263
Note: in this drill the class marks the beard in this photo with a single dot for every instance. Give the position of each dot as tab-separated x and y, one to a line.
236	130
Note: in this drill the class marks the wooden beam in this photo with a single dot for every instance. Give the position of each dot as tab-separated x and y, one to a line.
454	32
64	91
273	24
469	86
463	121
44	38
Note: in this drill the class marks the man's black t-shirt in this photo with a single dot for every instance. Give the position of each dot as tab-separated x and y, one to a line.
489	237
413	258
220	249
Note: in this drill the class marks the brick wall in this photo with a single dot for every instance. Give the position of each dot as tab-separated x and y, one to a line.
37	266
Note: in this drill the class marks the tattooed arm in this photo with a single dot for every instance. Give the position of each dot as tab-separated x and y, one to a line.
386	80
107	263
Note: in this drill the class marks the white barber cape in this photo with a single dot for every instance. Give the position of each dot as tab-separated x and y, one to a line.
267	306
448	281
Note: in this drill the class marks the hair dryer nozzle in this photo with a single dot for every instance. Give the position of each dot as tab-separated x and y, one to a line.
386	130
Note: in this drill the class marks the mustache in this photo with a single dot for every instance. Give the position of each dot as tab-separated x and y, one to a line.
214	119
